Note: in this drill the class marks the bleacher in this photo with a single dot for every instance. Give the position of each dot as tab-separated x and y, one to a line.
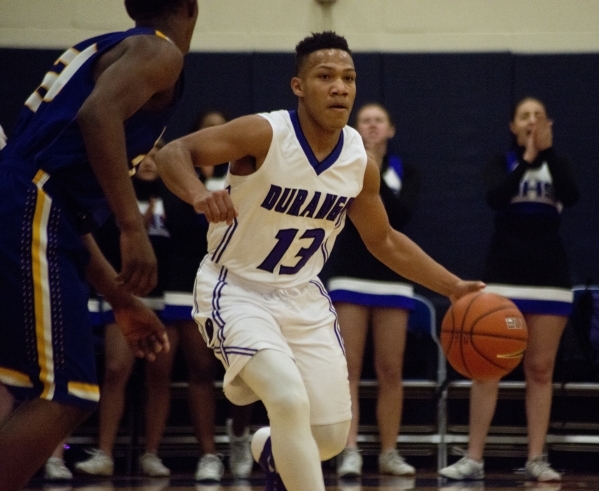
435	416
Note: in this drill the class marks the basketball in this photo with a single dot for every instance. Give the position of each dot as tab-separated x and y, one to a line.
483	336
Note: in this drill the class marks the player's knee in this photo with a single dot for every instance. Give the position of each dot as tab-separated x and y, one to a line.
331	439
291	405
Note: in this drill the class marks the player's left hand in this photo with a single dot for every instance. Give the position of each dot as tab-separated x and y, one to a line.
145	334
463	287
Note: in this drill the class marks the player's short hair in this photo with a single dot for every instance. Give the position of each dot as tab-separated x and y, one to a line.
150	9
316	42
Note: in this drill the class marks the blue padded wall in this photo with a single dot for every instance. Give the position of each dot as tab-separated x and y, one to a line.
451	111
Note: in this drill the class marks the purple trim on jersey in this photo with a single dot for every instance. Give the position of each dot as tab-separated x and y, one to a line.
325	253
216	317
543	307
225	241
239	350
319	167
221	349
372	300
324	293
194	297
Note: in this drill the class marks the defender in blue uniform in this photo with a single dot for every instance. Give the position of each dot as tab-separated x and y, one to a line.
96	113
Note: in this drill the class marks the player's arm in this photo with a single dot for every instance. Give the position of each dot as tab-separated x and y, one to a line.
127	77
145	334
234	142
395	249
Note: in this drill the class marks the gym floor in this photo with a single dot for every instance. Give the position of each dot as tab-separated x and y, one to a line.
424	481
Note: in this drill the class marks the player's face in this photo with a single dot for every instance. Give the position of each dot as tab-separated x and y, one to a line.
372	122
528	114
326	86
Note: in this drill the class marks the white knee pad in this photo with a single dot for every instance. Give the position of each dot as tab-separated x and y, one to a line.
331	439
258	441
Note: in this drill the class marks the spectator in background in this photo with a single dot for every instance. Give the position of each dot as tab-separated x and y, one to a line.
188	232
527	187
119	361
368	295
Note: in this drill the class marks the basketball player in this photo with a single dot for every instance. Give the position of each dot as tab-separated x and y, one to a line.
259	302
98	110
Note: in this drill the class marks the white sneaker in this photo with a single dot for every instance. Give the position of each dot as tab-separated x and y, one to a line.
99	464
464	469
540	470
152	466
392	463
210	468
349	463
55	469
241	461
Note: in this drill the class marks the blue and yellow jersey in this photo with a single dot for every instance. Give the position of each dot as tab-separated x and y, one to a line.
48	137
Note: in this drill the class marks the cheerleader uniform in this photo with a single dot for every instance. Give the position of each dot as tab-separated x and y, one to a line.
527	261
356	276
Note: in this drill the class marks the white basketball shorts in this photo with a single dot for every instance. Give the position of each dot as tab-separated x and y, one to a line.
238	317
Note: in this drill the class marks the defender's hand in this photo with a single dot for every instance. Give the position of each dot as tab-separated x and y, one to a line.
145	334
139	269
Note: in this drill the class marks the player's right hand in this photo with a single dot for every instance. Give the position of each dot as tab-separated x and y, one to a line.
217	206
139	269
463	287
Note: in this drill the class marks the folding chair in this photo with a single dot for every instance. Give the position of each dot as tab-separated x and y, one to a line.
423	319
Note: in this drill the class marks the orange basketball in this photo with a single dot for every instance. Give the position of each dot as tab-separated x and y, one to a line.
483	336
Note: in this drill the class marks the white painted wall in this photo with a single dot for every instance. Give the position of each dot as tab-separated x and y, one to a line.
525	26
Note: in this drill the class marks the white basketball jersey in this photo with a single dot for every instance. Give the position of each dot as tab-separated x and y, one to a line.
291	209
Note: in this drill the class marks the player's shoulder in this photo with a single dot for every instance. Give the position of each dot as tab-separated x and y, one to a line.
152	45
252	124
351	132
353	139
276	118
252	132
